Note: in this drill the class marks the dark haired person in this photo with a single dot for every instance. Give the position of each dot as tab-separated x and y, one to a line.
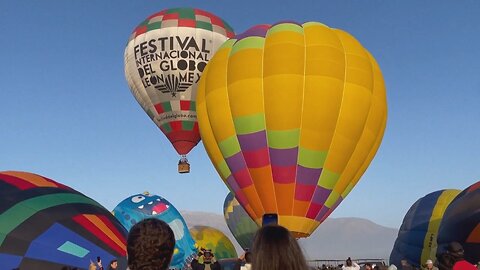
150	245
453	258
349	265
274	248
248	261
113	265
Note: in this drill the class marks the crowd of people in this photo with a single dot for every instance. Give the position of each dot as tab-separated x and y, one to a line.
151	243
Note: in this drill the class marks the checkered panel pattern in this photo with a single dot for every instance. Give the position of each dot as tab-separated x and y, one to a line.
184	17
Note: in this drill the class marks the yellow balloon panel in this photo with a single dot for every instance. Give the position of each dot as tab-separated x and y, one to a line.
307	107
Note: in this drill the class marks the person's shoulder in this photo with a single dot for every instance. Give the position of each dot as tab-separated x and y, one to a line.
463	265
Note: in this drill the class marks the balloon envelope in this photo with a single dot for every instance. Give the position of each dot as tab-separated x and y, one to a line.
164	58
291	116
211	238
461	223
47	225
239	222
417	238
142	206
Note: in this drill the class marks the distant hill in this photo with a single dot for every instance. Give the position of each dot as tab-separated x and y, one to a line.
336	238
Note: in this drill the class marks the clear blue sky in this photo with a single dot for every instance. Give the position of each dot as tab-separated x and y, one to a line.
66	111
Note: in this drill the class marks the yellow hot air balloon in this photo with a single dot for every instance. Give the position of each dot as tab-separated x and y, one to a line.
291	116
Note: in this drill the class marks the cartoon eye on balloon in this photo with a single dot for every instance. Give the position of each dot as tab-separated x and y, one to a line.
291	115
164	58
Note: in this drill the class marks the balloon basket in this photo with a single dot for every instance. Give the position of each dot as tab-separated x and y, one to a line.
183	167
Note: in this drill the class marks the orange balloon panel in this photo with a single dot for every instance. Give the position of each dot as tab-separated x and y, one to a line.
291	116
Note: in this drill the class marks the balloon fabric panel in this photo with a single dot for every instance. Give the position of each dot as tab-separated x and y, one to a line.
141	206
239	222
461	223
417	238
211	238
40	228
291	116
164	58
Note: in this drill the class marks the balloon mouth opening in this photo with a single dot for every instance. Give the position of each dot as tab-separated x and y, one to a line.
160	208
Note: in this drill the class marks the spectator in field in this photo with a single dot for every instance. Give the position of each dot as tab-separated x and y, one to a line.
349	265
113	265
429	265
150	245
453	258
404	265
274	248
248	261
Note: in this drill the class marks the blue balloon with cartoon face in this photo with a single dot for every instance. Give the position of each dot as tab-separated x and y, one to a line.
141	206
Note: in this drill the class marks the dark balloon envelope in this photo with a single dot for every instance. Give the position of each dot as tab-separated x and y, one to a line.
47	225
416	241
461	223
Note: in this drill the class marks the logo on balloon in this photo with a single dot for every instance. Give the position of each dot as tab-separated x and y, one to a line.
184	57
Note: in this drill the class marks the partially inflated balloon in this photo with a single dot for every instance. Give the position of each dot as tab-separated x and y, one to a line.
239	222
291	116
215	240
46	225
417	238
461	223
141	206
164	58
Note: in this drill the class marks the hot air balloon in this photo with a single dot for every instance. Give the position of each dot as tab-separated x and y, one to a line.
461	223
164	58
291	116
47	225
239	222
141	206
210	238
417	238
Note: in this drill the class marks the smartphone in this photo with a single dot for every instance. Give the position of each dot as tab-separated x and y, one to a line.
270	219
98	259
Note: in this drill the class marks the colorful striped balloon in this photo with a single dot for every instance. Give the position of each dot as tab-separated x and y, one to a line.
46	225
461	223
239	222
291	116
164	58
417	238
210	238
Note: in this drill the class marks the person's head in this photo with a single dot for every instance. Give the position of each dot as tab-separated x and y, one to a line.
248	257
274	248
113	264
368	266
456	250
150	245
429	264
207	256
348	262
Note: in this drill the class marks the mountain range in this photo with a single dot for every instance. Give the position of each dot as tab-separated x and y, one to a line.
336	238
